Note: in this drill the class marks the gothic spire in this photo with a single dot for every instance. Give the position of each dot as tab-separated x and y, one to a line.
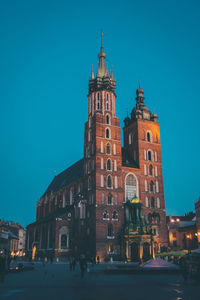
101	66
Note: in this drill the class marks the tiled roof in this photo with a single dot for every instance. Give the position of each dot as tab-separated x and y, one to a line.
71	174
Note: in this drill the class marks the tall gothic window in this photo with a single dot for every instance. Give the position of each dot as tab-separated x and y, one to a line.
152	202
131	187
109	181
151	187
108	164
107	101
150	170
63	241
114	215
149	156
108	149
148	137
110	230
107	119
109	199
107	133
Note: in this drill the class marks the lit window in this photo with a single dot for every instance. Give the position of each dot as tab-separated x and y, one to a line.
131	187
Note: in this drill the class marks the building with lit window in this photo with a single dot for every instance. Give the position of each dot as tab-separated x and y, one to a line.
114	195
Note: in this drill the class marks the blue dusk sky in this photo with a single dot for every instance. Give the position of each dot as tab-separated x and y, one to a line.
47	49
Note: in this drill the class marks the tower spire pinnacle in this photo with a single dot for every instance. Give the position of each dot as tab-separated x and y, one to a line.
101	67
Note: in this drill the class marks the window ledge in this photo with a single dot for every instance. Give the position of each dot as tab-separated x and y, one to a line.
110	237
106	219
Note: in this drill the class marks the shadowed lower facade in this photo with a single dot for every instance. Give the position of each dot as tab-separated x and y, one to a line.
111	202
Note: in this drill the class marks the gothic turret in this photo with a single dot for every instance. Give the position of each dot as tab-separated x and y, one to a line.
141	111
103	80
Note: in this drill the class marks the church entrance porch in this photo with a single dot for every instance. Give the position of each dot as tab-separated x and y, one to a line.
138	248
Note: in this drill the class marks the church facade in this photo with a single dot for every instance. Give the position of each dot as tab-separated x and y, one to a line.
111	202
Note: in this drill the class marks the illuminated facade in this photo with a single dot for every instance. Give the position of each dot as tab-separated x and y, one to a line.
96	189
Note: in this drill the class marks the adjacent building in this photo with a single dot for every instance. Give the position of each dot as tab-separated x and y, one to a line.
12	237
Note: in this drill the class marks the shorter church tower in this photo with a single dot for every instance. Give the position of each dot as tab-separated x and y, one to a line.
142	146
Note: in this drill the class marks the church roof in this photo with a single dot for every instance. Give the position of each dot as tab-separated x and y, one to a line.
68	176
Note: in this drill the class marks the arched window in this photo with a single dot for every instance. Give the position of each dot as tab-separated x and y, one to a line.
107	133
152	202
151	187
63	241
149	156
131	187
114	215
150	170
110	230
105	214
108	149
98	104
107	119
109	181
148	137
108	164
109	199
107	101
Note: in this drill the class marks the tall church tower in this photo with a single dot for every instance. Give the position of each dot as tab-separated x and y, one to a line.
142	145
102	163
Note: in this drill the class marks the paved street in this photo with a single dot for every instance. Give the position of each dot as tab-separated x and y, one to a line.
54	282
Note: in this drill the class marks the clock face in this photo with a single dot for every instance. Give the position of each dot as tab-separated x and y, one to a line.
146	115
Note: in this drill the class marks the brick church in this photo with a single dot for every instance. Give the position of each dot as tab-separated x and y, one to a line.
111	202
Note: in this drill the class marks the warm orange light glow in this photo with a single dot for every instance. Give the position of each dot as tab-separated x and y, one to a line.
177	220
33	252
